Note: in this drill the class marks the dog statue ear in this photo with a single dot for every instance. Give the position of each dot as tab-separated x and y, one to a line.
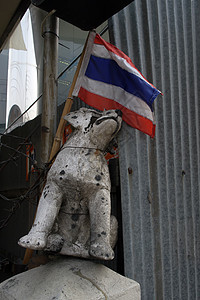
72	118
81	117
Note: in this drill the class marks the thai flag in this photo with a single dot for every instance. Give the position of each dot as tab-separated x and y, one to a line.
109	80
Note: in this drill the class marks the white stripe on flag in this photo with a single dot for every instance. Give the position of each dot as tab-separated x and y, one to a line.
119	95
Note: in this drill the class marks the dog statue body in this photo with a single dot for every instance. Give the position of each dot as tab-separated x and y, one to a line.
74	212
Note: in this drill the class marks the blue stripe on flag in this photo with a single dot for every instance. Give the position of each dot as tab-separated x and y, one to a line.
108	71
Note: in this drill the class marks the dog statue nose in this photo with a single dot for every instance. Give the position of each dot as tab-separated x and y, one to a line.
119	112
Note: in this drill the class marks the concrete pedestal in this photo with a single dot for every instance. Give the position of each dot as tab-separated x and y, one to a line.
71	279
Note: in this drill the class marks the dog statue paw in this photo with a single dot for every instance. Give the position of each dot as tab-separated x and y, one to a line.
74	212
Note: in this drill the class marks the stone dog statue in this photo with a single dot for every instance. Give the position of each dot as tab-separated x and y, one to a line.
74	212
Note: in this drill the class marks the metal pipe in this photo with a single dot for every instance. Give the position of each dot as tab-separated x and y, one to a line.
49	103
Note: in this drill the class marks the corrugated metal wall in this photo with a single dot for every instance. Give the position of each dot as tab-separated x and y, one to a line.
160	177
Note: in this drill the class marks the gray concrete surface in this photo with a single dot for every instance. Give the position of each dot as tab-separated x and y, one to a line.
69	278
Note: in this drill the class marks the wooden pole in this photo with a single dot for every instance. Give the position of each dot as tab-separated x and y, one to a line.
59	132
66	110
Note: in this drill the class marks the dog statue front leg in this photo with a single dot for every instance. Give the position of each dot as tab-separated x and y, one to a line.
100	210
47	211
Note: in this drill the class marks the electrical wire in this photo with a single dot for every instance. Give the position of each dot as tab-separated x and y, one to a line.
22	114
12	136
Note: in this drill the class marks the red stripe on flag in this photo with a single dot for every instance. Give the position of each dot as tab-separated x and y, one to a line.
130	117
98	40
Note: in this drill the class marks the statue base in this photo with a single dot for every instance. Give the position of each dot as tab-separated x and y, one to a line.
69	278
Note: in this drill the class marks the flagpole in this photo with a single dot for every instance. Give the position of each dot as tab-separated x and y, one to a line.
67	108
60	130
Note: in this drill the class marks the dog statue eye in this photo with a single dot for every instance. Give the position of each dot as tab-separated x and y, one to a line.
93	120
108	113
98	122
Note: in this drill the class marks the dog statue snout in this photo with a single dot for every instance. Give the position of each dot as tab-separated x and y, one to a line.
119	112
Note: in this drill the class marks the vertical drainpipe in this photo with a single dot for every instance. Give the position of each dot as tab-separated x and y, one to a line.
50	33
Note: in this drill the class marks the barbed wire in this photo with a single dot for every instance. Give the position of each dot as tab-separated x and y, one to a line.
17	151
30	194
27	196
17	201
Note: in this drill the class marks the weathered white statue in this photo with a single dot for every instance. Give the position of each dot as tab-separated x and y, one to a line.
74	212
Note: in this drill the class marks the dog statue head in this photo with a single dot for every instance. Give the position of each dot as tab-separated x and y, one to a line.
99	127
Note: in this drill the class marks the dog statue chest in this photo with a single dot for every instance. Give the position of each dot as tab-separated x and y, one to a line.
86	166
